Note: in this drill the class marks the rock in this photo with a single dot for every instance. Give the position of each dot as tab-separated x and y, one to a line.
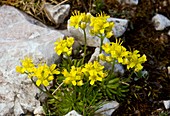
73	113
120	26
131	2
107	109
166	104
168	69
57	13
118	68
95	55
169	32
20	37
160	22
39	111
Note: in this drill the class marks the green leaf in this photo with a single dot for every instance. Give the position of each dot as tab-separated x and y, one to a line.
114	80
113	86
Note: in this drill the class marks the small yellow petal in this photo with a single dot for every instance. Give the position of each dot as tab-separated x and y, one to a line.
50	78
38	82
52	67
45	83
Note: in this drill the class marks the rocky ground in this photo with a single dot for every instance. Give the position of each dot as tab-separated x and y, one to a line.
140	34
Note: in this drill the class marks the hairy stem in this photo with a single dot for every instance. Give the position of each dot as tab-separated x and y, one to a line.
85	45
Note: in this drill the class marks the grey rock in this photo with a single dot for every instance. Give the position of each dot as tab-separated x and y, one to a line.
57	13
120	26
169	32
95	55
160	22
39	111
107	109
18	38
168	69
166	104
131	2
73	113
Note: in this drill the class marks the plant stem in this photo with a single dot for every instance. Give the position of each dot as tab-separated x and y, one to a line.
101	43
113	66
47	92
85	45
57	88
128	79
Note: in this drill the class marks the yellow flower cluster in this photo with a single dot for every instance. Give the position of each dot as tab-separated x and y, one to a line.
27	66
75	76
64	46
43	73
135	60
79	19
100	25
94	71
118	52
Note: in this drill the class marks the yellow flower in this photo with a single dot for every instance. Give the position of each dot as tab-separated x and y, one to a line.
102	57
27	67
100	25
79	19
135	61
45	74
64	46
75	76
106	47
94	72
19	69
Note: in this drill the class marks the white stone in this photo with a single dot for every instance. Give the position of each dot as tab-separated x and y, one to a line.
166	104
120	26
160	22
131	2
20	37
107	109
168	69
95	55
39	111
73	113
118	68
57	13
169	32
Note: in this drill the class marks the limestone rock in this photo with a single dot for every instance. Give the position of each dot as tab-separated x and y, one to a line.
131	2
73	113
107	109
120	26
169	32
39	111
166	104
168	69
160	22
57	13
20	37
